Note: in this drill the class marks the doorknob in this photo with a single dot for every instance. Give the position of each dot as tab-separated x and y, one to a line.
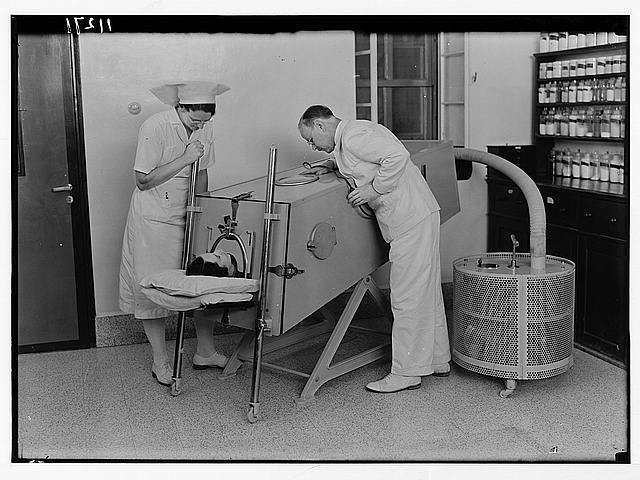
64	188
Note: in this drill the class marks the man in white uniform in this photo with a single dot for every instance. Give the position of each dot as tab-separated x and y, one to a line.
409	218
169	143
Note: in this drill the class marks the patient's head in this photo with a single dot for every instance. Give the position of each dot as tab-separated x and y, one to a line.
216	264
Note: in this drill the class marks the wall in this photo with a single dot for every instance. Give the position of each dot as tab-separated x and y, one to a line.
499	113
273	78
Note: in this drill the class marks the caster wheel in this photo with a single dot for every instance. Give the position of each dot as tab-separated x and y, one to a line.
506	392
251	416
510	385
175	390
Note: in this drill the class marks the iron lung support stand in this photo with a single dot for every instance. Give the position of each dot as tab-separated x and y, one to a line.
323	370
262	323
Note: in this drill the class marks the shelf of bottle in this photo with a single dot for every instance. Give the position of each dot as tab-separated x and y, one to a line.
581	139
597	76
570	52
579	104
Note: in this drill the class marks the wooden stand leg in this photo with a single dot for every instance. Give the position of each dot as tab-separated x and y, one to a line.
324	371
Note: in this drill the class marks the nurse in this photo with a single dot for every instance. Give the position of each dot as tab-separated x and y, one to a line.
409	219
169	143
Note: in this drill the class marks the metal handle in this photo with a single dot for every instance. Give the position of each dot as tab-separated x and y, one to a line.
613	220
63	188
588	214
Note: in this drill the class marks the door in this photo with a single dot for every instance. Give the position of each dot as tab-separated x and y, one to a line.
52	243
602	288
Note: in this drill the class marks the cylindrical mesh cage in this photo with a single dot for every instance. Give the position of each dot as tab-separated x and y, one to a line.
510	323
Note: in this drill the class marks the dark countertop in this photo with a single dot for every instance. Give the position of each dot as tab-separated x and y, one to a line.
616	190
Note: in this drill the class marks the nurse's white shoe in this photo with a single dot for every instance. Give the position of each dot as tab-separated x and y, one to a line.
215	360
394	383
162	373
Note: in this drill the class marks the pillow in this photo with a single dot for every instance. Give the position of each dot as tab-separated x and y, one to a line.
180	303
175	282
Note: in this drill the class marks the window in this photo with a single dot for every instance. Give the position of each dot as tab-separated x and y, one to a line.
402	70
452	87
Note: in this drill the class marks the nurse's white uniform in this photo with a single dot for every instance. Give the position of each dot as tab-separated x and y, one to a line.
409	219
154	233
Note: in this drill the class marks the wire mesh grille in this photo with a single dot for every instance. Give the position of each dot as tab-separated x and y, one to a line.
487	313
549	296
549	372
484	370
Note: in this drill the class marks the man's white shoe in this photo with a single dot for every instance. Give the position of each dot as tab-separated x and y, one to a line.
215	360
394	383
441	370
162	373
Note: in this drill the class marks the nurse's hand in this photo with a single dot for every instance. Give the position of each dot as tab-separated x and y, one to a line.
362	195
193	152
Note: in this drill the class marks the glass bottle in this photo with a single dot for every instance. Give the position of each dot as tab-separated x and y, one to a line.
553	41
580	92
557	120
573	88
552	94
603	167
582	39
588	122
564	123
542	122
585	166
581	128
563	40
605	124
542	94
614	168
615	123
610	91
608	67
617	89
549	70
544	42
615	67
581	68
594	166
623	122
564	92
549	122
575	160
623	90
601	91
566	164
587	91
557	163
573	122
597	121
551	160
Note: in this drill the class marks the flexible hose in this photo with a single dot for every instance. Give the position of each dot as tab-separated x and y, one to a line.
537	215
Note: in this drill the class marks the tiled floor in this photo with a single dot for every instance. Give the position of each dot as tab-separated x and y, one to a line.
102	403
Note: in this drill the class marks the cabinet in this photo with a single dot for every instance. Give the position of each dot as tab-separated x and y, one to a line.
580	110
589	228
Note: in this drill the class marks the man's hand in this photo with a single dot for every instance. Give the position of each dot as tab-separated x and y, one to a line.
362	195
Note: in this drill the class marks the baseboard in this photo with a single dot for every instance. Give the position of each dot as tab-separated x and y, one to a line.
115	329
124	329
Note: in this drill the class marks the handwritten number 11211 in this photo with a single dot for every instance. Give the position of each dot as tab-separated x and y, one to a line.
81	24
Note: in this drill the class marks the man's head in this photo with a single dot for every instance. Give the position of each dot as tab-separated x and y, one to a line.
317	127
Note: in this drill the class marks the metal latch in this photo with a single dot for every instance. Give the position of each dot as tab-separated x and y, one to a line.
287	271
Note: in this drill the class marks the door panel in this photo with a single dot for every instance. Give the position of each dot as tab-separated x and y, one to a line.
47	307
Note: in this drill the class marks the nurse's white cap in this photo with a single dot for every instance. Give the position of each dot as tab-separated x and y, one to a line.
196	92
